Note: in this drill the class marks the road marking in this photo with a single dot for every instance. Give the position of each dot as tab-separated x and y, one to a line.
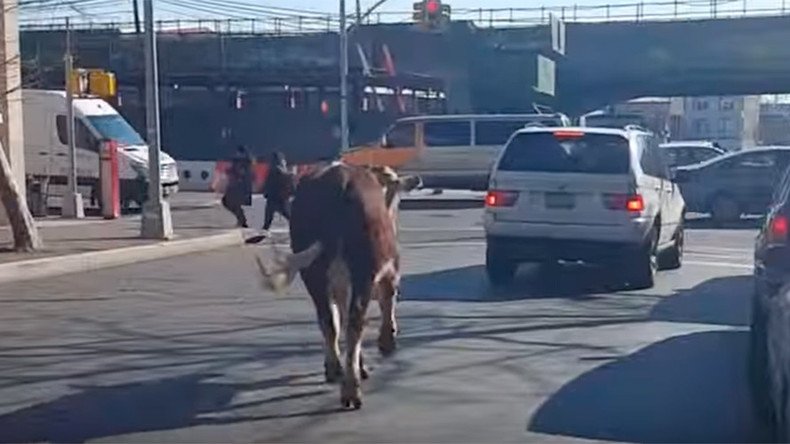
721	256
722	249
720	264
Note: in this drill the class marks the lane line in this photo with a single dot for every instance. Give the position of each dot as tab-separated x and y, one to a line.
720	264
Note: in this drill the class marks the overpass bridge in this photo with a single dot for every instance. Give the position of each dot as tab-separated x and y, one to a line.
466	68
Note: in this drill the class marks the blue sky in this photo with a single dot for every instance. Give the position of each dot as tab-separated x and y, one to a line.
120	10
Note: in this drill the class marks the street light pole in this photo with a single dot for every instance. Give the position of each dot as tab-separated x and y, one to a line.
156	222
72	206
344	142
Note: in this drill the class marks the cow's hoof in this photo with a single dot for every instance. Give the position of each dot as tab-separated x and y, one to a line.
349	403
350	395
387	346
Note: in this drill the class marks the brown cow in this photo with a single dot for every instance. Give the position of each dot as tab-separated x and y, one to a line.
343	232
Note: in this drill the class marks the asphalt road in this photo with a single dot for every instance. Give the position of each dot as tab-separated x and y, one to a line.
192	350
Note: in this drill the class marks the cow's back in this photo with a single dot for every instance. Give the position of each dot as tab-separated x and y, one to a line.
344	208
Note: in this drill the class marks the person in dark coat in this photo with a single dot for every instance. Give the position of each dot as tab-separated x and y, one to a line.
239	188
277	189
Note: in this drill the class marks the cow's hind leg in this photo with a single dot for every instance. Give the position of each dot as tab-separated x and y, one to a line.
350	393
389	326
329	322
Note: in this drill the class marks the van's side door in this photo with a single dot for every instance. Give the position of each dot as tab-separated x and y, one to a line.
447	148
490	138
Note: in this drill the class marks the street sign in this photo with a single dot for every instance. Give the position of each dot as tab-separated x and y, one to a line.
557	34
546	75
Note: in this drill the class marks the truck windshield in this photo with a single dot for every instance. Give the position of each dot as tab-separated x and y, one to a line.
116	128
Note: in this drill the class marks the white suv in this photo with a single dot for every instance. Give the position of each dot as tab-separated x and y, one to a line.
594	195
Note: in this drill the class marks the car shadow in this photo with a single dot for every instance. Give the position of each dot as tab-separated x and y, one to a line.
688	388
470	284
152	405
719	301
691	388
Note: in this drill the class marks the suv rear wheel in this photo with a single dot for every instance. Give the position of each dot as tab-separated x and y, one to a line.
500	269
641	268
672	258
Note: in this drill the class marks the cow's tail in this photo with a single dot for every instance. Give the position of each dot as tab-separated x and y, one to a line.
278	276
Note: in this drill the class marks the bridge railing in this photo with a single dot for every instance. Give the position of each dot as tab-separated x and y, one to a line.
659	10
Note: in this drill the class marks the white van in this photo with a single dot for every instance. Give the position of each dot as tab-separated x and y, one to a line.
47	151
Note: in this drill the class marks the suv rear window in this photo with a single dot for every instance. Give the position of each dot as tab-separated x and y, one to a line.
586	153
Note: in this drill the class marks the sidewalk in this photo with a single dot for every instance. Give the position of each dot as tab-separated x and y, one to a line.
200	224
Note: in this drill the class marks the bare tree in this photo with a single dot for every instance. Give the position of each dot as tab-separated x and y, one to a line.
23	226
26	236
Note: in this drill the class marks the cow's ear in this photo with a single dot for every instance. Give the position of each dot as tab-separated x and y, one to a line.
408	183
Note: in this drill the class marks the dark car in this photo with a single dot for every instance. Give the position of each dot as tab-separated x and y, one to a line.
684	153
771	312
734	184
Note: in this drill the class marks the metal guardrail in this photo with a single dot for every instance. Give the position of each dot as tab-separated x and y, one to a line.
661	10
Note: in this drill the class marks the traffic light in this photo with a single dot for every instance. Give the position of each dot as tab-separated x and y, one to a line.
431	13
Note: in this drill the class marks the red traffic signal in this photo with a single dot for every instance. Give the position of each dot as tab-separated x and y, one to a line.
433	6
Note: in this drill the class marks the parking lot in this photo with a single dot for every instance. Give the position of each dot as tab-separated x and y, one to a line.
192	350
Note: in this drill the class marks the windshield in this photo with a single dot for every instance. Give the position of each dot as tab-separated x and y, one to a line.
589	153
116	128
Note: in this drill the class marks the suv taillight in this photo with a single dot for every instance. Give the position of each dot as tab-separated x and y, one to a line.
778	229
500	198
633	203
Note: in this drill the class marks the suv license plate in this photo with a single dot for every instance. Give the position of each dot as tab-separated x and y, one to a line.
560	200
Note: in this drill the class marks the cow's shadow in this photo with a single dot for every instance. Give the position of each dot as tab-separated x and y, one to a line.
470	284
152	405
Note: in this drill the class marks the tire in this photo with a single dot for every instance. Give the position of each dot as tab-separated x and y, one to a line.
641	268
499	269
672	258
724	209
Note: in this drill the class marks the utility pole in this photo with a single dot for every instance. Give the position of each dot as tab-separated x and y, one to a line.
12	151
157	222
359	12
136	12
73	207
344	143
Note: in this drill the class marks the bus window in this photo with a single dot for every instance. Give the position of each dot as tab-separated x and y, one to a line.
452	133
401	136
495	132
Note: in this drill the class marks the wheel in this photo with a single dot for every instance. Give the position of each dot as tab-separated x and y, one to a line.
500	270
724	209
672	258
642	267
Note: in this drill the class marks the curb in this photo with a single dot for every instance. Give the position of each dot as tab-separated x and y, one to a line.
97	260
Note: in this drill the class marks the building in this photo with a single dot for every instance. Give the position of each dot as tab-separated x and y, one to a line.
775	124
732	121
653	112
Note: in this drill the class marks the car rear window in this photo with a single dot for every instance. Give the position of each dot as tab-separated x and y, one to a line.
580	153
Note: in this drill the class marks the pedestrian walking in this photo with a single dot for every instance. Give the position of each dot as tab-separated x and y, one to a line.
239	186
277	189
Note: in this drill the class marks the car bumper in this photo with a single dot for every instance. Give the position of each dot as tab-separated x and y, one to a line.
548	249
633	231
